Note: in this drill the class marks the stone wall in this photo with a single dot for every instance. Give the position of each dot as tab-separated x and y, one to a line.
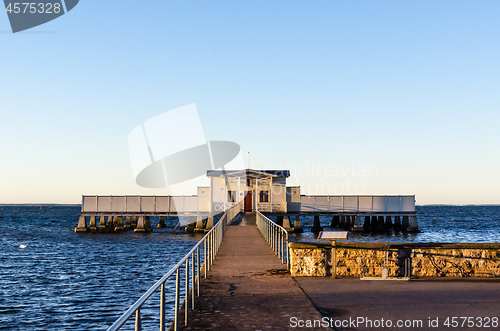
422	260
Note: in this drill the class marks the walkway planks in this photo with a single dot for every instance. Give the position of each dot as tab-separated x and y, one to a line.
249	288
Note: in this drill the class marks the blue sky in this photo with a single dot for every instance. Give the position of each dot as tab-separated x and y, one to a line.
408	89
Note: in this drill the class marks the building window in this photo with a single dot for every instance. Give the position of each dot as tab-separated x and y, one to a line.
264	196
231	196
249	182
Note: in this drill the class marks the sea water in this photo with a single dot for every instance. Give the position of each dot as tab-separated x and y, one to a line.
67	281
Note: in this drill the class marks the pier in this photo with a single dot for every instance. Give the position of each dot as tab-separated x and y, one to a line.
240	276
264	191
248	288
236	277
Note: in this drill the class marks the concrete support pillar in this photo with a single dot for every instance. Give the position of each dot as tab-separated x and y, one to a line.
397	223
342	221
128	223
147	224
118	224
143	224
93	224
380	224
349	224
358	224
286	223
191	224
199	227
316	228
279	220
335	221
102	223
82	225
388	223
406	223
134	222
374	224
140	225
110	226
210	223
161	222
366	226
413	225
297	228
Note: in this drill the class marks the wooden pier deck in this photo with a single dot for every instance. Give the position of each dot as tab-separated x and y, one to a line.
249	288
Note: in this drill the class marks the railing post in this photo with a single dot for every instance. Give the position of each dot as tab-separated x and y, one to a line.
138	320
162	307
268	233
213	247
199	270
274	239
210	243
206	260
210	251
283	247
176	313
186	296
193	278
271	236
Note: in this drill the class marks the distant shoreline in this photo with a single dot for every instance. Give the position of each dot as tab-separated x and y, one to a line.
79	204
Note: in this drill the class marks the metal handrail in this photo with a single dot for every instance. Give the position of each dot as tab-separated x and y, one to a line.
211	243
275	235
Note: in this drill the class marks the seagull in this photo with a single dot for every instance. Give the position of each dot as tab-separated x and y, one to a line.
23	246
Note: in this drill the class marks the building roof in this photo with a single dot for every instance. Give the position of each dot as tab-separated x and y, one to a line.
248	173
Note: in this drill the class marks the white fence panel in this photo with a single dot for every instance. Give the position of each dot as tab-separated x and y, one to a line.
336	204
365	204
322	203
408	203
350	204
312	203
306	203
379	204
133	204
162	204
393	204
89	203
104	204
148	204
177	204
118	204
